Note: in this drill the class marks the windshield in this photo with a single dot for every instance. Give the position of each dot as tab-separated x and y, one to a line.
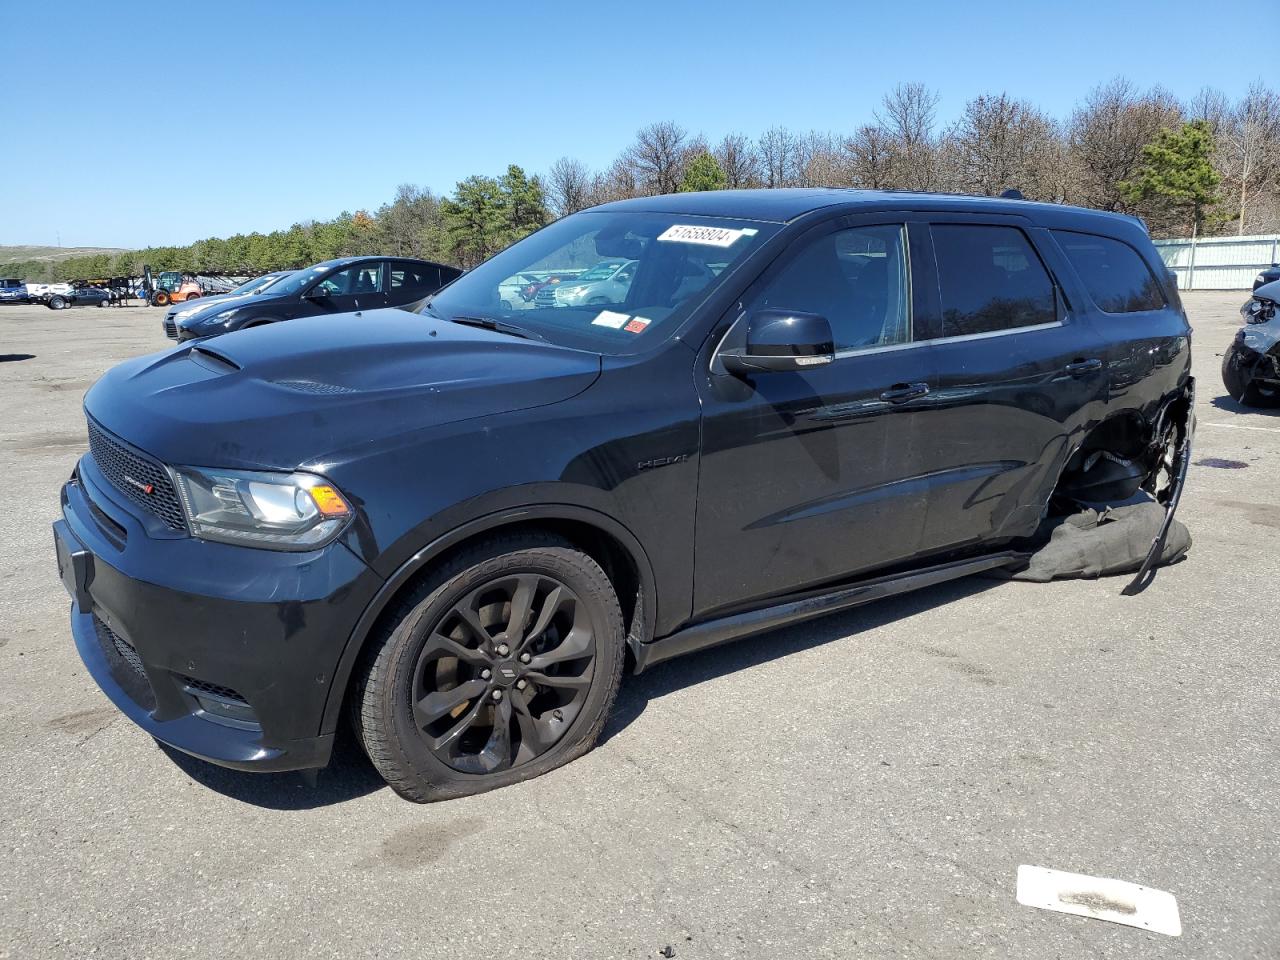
258	284
608	281
300	279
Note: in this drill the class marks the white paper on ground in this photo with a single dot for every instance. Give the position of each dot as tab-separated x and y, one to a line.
1117	901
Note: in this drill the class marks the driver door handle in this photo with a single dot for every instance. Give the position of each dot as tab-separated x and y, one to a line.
902	392
1080	367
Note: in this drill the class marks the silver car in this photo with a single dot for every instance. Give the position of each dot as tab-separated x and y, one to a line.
607	282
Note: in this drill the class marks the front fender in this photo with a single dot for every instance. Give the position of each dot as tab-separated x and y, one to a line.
422	558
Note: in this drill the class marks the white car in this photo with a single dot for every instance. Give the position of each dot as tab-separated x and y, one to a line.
607	282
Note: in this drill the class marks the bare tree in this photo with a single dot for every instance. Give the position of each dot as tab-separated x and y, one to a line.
568	186
616	183
907	116
868	158
1249	151
1107	135
778	152
737	158
1000	143
657	157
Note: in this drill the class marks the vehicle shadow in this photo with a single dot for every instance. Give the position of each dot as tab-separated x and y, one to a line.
349	775
1226	403
655	683
14	357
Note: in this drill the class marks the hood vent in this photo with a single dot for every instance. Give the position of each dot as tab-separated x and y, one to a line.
314	387
212	360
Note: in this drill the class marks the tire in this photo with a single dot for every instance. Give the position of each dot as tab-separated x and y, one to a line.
160	298
1239	382
597	301
505	304
193	296
103	303
421	701
57	303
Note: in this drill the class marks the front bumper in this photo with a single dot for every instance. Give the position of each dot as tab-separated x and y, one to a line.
226	653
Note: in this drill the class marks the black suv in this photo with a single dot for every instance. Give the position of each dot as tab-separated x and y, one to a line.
346	285
455	527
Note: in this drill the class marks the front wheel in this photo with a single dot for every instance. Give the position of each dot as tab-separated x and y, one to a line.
501	666
57	303
1238	378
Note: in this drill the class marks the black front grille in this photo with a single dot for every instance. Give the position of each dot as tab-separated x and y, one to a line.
137	476
121	646
171	328
126	664
205	687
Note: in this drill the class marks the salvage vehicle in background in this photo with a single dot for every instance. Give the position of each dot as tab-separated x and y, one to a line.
1269	275
456	527
335	286
605	282
1251	365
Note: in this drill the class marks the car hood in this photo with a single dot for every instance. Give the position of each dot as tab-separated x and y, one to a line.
202	302
312	390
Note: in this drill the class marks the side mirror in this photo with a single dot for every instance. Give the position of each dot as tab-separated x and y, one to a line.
317	293
781	340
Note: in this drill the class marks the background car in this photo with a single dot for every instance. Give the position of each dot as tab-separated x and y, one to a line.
1269	275
1251	364
79	297
13	290
607	282
251	288
335	286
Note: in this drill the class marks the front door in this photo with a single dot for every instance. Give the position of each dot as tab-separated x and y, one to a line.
812	476
357	287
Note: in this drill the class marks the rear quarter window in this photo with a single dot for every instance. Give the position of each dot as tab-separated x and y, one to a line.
1117	278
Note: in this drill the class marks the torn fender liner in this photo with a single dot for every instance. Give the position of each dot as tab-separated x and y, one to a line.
1103	542
1101	898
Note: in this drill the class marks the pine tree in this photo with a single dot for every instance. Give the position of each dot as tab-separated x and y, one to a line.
1176	179
703	173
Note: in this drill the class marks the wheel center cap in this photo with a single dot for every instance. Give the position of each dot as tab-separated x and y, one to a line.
506	672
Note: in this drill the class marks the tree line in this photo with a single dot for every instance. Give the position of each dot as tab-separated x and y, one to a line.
1210	166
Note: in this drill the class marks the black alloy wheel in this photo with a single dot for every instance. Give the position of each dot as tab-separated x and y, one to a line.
500	666
504	673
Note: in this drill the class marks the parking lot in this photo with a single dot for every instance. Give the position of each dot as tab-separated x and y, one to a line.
860	786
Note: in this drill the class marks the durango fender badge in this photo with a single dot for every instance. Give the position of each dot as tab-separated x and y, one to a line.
661	462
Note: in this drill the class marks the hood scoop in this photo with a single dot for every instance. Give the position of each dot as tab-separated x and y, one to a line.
212	360
314	387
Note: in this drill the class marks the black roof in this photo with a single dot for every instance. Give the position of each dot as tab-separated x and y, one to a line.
784	205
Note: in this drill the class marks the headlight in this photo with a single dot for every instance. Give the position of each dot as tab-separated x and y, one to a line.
222	317
280	511
1257	311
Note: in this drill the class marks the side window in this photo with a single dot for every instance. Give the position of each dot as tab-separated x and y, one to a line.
990	278
361	278
856	278
412	279
1117	278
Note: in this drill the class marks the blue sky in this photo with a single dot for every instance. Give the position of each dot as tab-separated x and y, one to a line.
163	123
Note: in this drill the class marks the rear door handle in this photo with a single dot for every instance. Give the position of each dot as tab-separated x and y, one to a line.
902	392
1078	368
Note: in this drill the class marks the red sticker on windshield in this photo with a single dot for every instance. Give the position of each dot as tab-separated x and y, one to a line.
636	325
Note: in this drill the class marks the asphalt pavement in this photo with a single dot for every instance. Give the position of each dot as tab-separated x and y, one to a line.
861	786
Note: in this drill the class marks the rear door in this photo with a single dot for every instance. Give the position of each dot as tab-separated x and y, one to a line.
812	476
409	282
1021	378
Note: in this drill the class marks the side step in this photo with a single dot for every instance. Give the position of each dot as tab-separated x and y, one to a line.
712	633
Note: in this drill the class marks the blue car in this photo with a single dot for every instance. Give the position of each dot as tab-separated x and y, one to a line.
13	291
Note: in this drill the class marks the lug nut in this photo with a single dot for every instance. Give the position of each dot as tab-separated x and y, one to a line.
497	695
525	658
503	649
521	683
486	674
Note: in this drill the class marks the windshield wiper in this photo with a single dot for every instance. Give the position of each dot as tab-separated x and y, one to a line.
499	326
